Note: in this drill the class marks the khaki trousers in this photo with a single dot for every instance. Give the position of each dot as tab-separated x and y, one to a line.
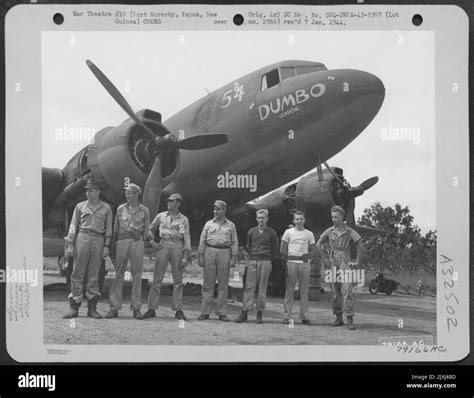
258	272
135	251
87	261
216	267
297	272
170	252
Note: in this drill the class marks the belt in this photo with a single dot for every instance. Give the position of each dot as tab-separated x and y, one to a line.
218	246
91	233
296	258
171	240
129	235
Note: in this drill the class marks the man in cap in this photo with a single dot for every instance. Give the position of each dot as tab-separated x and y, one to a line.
338	238
218	250
174	247
262	246
131	230
88	241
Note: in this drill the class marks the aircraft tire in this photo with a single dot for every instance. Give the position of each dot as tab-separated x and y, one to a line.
373	287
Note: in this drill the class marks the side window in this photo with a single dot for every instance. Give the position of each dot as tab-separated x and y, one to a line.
270	79
287	72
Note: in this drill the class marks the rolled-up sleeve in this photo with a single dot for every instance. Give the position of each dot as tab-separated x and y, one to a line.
153	227
323	237
202	240
187	235
108	223
234	240
74	225
355	236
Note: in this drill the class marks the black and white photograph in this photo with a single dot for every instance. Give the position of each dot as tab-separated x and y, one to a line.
155	168
206	193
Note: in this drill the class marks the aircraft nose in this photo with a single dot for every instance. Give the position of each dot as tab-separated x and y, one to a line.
356	83
353	99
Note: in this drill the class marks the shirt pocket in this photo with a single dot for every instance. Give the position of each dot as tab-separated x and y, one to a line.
139	219
124	216
333	242
99	219
86	219
211	231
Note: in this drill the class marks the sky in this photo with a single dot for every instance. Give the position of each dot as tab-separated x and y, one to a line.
166	71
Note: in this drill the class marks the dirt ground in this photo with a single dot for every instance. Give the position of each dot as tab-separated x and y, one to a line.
376	316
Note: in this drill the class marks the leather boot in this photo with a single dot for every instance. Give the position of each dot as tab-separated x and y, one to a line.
350	323
338	321
73	310
242	317
259	317
92	309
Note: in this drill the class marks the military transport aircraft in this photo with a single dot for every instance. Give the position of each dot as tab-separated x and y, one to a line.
240	142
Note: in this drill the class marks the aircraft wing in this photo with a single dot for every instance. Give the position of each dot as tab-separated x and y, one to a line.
365	231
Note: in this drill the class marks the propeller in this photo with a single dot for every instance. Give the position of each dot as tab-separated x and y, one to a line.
118	97
158	142
349	193
364	186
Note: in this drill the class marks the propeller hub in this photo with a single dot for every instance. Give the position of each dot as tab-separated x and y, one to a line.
165	143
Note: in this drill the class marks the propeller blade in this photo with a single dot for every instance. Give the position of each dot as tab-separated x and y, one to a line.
334	174
360	189
369	183
152	191
203	141
118	97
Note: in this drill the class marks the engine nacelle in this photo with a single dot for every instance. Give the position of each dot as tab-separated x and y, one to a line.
120	153
309	195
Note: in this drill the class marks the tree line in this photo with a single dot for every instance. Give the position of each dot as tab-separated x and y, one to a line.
403	247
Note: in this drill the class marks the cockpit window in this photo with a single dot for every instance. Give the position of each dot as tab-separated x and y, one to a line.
287	72
303	70
270	79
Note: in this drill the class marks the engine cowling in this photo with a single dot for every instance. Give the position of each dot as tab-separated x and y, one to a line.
120	154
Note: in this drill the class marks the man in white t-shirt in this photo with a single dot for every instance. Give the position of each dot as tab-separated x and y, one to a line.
297	246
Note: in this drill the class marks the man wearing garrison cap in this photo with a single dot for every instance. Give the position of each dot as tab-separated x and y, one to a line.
218	249
174	248
88	242
130	231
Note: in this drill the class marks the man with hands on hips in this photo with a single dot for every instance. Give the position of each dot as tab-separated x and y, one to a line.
174	247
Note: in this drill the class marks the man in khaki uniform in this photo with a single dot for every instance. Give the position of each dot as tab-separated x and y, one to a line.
88	241
339	237
218	250
131	228
174	247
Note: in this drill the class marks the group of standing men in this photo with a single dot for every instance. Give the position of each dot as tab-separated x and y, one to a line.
92	231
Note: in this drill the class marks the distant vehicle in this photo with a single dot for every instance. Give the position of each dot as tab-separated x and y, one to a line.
382	284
